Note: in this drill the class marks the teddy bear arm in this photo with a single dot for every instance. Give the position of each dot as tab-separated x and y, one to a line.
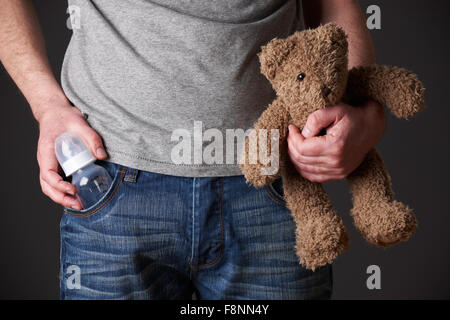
397	88
260	164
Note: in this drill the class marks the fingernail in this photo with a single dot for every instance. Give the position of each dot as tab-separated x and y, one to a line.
101	152
75	207
70	191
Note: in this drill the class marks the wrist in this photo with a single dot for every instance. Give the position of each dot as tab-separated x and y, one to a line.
42	92
375	117
50	105
47	101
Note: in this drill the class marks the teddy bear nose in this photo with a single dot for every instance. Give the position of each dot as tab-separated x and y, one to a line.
326	91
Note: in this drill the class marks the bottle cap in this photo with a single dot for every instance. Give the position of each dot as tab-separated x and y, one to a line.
72	153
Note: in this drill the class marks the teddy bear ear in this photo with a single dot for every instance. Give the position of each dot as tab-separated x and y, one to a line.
273	54
334	33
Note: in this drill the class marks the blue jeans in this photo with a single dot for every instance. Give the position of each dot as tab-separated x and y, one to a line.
155	236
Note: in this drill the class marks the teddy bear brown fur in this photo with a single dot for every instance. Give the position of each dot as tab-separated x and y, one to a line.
309	71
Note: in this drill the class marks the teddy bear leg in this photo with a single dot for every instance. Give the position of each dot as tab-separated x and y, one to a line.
380	219
320	233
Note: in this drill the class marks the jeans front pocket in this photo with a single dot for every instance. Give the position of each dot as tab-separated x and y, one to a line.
117	173
275	191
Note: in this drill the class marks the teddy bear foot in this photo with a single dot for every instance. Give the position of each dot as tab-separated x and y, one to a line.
320	240
385	223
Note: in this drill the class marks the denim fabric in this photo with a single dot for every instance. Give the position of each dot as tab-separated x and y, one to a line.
155	236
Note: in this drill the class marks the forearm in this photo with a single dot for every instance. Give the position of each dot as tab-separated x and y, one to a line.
348	15
23	54
358	129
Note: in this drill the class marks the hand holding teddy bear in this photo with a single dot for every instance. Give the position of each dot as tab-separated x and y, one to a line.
309	71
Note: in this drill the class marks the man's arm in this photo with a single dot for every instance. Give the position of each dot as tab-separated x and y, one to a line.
23	54
351	132
349	16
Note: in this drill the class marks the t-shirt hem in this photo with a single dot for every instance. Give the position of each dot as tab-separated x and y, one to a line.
181	170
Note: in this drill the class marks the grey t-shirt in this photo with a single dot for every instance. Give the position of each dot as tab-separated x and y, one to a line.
147	72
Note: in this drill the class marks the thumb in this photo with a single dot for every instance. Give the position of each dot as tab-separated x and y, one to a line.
95	142
319	120
295	138
295	134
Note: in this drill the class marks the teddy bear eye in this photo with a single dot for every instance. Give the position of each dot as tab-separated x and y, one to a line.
301	76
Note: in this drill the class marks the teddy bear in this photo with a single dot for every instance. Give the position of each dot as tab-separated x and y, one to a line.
308	71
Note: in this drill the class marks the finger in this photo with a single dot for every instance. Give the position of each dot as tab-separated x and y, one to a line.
321	161
317	170
314	147
294	139
94	142
57	182
60	197
319	120
319	164
314	160
295	134
49	168
294	154
320	178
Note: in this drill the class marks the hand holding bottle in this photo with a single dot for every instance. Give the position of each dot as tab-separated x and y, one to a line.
53	122
90	180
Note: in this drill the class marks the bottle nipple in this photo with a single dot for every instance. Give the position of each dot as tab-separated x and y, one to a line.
72	153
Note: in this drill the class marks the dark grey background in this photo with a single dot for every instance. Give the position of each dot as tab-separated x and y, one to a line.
414	35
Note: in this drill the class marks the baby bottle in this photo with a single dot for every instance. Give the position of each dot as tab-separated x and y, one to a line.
90	180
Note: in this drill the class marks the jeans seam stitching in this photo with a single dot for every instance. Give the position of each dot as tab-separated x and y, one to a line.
193	228
222	235
107	200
